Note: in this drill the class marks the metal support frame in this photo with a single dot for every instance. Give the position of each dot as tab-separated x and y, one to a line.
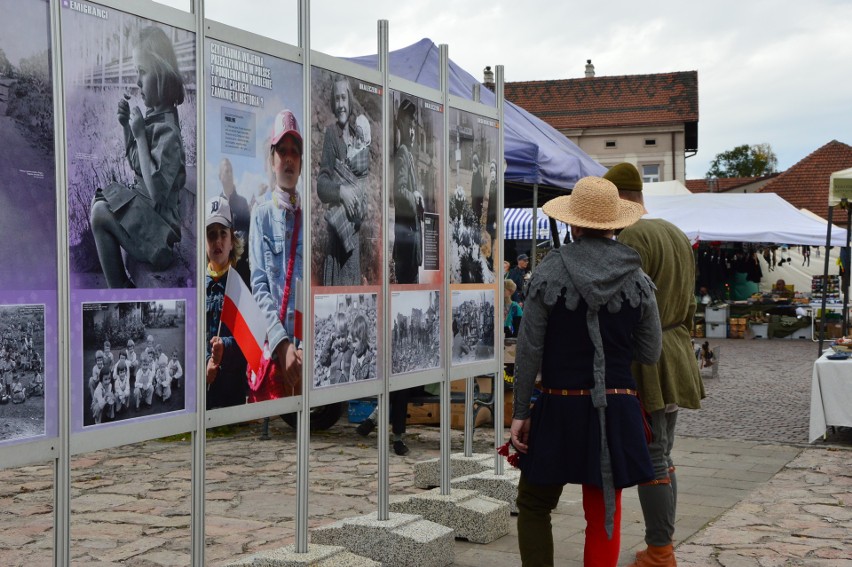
497	388
446	416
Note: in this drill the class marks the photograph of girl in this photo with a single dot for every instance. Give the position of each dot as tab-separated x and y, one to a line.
131	148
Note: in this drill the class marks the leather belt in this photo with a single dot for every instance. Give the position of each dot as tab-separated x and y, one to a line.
560	392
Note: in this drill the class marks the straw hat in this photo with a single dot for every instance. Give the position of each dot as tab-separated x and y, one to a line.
594	203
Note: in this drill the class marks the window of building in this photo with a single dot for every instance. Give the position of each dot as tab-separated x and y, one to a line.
651	173
650	141
610	144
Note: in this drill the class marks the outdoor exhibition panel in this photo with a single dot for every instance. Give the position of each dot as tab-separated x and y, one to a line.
132	123
831	395
29	327
132	219
251	80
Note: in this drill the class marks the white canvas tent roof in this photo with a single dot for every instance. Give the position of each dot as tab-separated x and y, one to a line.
673	187
741	217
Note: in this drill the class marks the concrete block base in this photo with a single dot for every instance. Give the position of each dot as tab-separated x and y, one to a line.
402	540
503	487
316	556
472	516
427	474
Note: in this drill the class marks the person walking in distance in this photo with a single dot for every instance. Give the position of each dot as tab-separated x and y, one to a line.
673	382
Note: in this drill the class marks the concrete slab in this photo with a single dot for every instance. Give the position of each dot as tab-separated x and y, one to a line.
427	474
472	516
403	540
316	556
500	487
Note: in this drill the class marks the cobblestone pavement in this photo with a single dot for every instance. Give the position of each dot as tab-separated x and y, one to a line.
751	491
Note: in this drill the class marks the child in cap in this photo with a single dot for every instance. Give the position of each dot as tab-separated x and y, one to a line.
226	365
95	376
162	381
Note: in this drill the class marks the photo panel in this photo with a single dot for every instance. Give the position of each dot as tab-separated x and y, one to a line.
133	361
346	157
22	372
473	325
28	280
254	127
416	196
415	331
28	180
345	338
474	158
131	92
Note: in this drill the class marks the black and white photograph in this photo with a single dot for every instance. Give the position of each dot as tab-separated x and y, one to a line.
417	180
21	371
345	333
473	201
131	96
346	162
473	325
134	355
415	331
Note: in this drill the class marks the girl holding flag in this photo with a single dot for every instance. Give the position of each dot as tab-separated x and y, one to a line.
226	365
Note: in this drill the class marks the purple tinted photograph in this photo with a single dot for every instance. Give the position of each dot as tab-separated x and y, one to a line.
22	388
130	92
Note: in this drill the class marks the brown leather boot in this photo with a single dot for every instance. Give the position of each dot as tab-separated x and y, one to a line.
655	556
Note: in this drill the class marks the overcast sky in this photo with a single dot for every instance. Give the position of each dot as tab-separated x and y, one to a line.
768	71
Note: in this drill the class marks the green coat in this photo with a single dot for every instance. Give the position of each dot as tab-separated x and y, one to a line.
667	258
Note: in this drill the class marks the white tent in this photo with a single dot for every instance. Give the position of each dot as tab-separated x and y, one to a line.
517	225
740	217
673	187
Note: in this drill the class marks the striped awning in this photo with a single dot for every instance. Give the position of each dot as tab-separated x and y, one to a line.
517	225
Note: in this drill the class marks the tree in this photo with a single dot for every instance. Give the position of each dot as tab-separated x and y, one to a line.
745	161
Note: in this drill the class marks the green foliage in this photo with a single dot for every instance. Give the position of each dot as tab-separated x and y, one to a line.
745	161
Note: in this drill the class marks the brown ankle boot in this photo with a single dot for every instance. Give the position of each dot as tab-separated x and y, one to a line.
655	556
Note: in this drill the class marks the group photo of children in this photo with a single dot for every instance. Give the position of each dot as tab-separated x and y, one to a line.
133	359
473	202
21	371
345	338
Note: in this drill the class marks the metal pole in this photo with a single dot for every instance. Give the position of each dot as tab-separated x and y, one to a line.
199	436
822	321
497	388
535	227
384	397
303	431
445	445
62	464
846	287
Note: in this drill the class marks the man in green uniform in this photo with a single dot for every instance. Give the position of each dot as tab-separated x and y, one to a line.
673	382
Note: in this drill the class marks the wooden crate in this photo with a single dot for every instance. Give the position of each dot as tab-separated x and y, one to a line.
424	414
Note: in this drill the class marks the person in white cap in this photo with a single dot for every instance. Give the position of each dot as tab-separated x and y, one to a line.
275	248
589	312
226	365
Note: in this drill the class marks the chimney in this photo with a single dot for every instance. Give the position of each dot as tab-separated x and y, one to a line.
590	69
488	78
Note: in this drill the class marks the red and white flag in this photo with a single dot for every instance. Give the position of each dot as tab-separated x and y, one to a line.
244	318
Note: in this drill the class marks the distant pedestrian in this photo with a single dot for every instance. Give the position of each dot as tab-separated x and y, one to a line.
806	255
518	274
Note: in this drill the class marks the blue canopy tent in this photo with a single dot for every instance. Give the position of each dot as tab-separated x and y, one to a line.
537	156
518	225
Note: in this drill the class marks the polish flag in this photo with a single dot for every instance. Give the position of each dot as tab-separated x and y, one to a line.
245	320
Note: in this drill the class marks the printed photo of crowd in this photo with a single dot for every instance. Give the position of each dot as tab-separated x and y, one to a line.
473	202
415	335
21	371
345	338
133	359
473	325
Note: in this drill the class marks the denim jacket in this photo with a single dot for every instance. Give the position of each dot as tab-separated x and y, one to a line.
269	247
